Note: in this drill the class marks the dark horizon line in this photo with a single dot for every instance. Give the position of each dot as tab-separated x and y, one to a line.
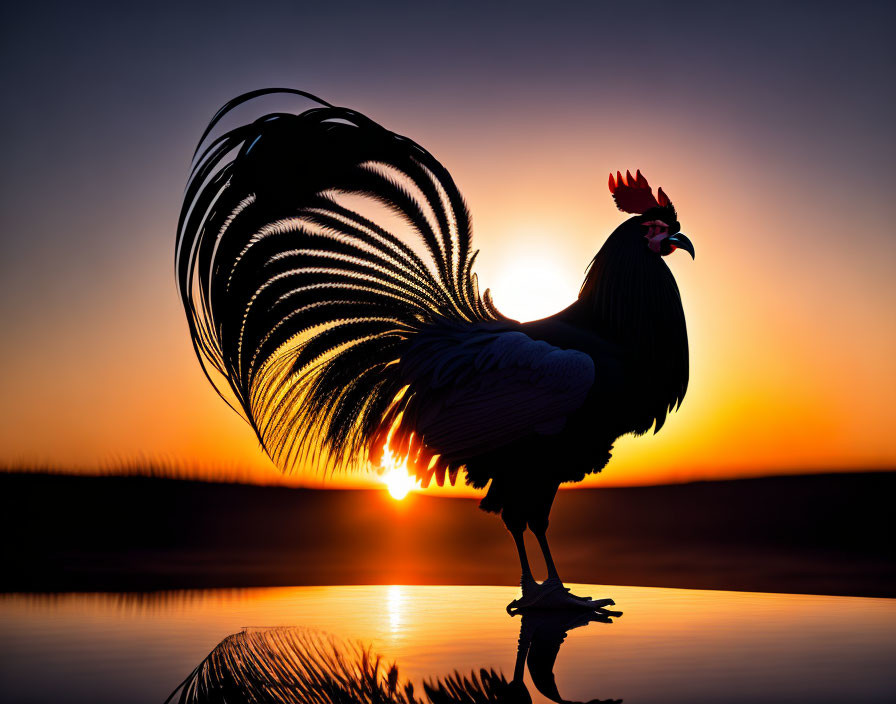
176	474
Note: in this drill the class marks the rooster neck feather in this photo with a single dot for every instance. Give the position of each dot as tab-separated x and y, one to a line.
631	299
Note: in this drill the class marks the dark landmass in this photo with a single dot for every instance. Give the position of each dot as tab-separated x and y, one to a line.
821	534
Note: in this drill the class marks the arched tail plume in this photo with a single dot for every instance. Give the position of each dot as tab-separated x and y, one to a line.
299	295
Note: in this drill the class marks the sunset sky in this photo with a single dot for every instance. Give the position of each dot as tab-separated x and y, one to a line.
771	127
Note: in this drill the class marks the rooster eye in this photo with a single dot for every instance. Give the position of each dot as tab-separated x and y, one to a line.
658	224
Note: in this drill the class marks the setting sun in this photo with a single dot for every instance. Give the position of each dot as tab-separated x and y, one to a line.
395	474
532	286
398	482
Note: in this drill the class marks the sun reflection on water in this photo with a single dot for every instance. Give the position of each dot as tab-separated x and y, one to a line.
745	646
395	605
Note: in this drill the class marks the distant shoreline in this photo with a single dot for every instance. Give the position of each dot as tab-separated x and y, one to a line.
177	473
816	534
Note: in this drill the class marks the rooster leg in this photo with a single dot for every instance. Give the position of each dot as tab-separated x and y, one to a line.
528	585
546	551
554	595
527	581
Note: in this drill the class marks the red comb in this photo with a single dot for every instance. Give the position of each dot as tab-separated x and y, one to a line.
633	194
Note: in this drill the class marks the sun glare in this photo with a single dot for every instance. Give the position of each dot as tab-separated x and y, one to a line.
531	286
395	475
398	483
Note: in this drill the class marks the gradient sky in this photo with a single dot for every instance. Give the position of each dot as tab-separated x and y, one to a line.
771	126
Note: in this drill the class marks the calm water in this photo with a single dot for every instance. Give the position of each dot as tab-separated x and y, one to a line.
670	645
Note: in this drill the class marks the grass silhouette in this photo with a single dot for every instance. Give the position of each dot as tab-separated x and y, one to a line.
297	665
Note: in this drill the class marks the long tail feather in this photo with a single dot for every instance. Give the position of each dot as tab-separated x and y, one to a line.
300	301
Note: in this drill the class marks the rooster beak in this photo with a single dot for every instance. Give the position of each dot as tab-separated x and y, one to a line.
679	241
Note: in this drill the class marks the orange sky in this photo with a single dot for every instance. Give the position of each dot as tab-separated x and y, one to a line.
789	302
792	346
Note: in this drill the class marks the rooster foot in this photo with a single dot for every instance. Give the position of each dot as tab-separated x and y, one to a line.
552	594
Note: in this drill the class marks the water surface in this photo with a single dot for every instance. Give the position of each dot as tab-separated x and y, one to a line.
671	645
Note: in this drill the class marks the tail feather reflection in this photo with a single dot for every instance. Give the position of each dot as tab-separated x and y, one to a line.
292	666
287	665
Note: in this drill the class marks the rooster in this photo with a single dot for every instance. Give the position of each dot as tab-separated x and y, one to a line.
343	343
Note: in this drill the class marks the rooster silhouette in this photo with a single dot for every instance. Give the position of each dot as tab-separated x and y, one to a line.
345	345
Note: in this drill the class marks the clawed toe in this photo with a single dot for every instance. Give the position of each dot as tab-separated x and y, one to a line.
584	600
552	594
601	603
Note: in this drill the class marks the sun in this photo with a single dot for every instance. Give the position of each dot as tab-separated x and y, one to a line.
395	474
398	482
531	285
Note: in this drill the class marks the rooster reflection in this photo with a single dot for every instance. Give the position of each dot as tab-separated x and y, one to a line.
295	666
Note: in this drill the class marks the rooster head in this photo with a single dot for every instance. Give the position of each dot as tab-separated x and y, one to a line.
657	216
